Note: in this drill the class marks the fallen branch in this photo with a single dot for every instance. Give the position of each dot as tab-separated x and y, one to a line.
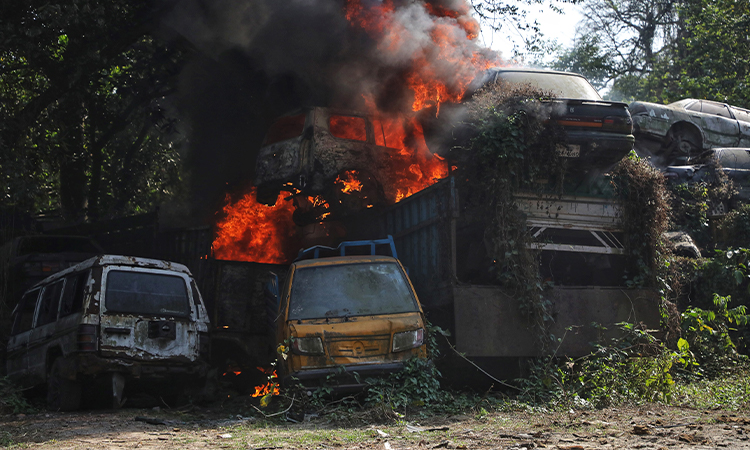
275	414
477	367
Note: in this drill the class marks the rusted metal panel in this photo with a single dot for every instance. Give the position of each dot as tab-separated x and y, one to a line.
489	322
422	228
589	213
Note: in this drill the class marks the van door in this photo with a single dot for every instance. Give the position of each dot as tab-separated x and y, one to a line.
147	315
17	358
44	334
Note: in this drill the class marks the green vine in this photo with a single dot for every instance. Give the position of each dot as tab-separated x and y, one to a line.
513	149
644	201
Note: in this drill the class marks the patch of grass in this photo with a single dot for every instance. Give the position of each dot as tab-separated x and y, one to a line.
730	392
304	435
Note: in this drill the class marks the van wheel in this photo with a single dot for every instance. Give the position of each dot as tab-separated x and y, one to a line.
62	394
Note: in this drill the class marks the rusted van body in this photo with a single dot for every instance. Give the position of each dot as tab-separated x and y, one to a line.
110	317
347	318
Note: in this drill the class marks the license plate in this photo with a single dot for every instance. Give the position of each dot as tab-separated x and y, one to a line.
569	151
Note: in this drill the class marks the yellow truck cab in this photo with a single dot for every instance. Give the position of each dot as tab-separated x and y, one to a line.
348	317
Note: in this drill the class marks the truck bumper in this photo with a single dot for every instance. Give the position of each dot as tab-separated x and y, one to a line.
349	378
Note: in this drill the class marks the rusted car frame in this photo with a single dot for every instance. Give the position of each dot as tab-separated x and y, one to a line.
689	126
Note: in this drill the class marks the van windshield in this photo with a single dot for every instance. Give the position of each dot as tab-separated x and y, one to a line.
350	290
147	293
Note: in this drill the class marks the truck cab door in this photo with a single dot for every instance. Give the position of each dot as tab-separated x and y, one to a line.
271	291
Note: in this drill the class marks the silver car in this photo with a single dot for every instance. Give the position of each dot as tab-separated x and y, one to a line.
689	126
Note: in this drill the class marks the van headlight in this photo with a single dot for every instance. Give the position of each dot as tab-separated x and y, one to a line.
308	345
408	339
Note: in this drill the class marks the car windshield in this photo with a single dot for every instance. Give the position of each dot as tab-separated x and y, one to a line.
285	128
560	84
146	293
350	290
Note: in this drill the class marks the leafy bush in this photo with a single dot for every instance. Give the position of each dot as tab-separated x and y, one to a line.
416	385
733	229
631	368
12	400
707	332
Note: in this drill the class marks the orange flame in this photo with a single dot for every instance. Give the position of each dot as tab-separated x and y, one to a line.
272	387
349	183
439	70
251	231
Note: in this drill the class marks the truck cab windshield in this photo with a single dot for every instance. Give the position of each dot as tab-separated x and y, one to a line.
350	290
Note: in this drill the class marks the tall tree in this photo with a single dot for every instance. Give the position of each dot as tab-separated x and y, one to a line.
82	121
713	58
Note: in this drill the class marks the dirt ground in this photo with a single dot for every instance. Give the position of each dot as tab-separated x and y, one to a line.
644	427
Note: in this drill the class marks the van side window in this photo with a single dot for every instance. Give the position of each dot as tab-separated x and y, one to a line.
25	314
50	303
196	299
348	127
72	300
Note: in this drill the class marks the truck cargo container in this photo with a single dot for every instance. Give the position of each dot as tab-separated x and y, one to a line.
439	239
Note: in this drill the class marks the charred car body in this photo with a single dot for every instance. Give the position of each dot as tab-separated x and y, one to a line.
688	126
314	150
347	317
109	319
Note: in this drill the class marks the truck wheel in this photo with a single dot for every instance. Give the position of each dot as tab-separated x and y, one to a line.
62	394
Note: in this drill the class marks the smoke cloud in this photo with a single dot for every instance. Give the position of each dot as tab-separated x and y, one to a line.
259	59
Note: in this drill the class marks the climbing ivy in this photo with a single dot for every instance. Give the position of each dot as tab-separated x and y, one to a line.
513	149
644	203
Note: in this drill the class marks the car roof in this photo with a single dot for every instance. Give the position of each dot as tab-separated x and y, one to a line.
118	260
530	70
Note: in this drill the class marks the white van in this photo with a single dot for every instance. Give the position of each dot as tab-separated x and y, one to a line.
110	318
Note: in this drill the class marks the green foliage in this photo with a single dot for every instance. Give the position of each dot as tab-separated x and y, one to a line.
733	229
513	149
644	201
417	385
708	334
726	274
730	391
690	210
12	400
83	126
631	368
660	51
587	58
713	60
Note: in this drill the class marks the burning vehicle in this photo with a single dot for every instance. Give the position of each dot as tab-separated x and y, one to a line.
347	317
689	126
326	152
345	161
109	321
